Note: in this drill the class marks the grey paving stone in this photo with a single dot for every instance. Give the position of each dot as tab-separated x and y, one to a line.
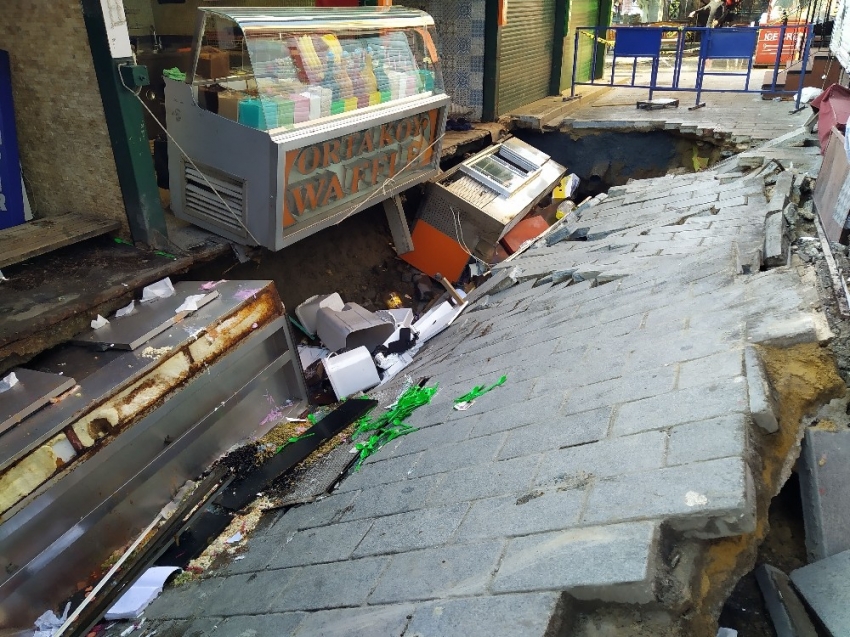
322	544
518	414
535	511
613	563
260	552
414	530
249	594
335	585
721	437
555	432
184	601
626	454
708	370
198	628
260	625
319	513
450	571
763	404
706	499
824	470
530	615
787	613
388	499
457	455
375	621
631	387
486	480
679	407
380	471
824	587
429	437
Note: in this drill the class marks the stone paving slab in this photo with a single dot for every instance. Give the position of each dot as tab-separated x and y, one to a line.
626	412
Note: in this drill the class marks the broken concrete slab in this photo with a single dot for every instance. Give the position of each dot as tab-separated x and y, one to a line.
824	470
781	192
762	397
787	613
824	587
775	240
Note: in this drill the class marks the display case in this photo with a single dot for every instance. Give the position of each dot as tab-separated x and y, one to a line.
291	120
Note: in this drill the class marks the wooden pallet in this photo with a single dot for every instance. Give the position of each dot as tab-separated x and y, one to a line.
45	235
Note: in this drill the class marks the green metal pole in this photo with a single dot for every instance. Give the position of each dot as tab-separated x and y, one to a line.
558	41
491	61
126	124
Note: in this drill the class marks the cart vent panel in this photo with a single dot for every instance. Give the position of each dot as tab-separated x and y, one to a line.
438	212
222	205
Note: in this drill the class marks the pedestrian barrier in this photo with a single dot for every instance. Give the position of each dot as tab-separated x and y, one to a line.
739	47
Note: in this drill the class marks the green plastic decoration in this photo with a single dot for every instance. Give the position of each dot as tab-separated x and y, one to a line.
292	440
478	391
390	425
175	74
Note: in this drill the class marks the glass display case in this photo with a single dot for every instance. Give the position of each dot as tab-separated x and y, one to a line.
291	120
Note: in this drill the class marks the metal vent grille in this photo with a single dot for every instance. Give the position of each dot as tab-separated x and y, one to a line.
476	193
202	202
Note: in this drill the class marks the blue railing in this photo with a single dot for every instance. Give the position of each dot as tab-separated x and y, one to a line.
702	43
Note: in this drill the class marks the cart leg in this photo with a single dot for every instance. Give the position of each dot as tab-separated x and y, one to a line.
398	225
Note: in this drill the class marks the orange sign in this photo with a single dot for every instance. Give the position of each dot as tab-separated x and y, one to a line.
768	44
320	177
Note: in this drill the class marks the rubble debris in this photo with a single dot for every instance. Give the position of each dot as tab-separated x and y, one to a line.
351	327
146	589
824	469
351	372
775	240
786	610
823	586
308	310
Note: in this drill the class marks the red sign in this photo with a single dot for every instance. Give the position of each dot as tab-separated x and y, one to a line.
768	43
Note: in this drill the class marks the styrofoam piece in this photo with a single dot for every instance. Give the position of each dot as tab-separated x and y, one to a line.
306	312
351	372
402	317
351	327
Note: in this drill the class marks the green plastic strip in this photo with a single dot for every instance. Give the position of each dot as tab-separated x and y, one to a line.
479	390
390	425
175	74
292	440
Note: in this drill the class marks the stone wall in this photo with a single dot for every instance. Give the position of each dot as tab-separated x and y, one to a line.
65	148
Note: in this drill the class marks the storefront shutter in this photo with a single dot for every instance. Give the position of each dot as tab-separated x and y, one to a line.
840	42
525	56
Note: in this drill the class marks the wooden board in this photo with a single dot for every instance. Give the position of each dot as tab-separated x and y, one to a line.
44	235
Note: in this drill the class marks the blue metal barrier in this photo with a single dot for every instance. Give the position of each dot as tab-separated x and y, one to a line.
728	43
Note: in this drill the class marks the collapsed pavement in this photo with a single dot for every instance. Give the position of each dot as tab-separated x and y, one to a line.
617	483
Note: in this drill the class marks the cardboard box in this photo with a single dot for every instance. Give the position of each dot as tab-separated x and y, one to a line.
228	104
213	63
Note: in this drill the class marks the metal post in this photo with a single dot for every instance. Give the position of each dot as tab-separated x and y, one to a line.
575	64
778	60
810	34
593	59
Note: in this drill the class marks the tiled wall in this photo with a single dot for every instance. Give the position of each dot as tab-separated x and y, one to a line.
460	41
65	148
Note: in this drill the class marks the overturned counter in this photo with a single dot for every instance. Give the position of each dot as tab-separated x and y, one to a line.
85	474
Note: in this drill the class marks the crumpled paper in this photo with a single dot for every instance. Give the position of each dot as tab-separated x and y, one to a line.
8	382
127	309
48	622
191	303
99	322
159	290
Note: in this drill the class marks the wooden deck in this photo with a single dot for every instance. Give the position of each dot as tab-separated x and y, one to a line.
38	237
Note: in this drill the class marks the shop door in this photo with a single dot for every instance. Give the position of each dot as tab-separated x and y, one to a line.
525	54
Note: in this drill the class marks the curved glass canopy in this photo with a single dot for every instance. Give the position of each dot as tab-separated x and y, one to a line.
275	68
